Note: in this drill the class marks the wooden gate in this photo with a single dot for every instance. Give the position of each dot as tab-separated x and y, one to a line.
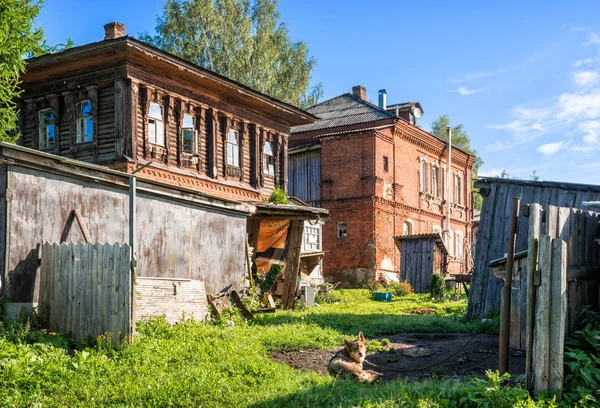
563	263
85	289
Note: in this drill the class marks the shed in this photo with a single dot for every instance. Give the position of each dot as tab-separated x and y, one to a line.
421	256
492	237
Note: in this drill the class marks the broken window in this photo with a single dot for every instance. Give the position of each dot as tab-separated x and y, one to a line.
341	230
85	122
47	129
188	134
268	159
233	148
156	125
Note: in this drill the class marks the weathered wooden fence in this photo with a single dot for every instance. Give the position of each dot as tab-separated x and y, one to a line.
564	265
420	257
85	289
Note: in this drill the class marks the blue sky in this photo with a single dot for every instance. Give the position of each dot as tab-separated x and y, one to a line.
522	77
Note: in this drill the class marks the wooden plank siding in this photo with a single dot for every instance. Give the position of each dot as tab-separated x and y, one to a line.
494	229
304	176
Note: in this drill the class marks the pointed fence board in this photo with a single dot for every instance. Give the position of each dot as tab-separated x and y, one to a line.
85	289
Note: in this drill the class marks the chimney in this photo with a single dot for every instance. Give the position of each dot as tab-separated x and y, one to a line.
114	30
383	99
360	92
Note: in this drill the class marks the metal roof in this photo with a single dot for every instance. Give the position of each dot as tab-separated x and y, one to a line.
404	106
435	236
484	181
343	110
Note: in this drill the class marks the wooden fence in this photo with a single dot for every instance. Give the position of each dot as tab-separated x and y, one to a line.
563	263
85	289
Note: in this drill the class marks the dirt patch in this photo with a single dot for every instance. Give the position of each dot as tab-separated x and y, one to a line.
450	356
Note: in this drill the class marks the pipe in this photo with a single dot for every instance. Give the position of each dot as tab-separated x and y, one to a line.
506	290
449	184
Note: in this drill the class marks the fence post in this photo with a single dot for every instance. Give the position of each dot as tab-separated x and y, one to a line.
542	312
534	214
558	313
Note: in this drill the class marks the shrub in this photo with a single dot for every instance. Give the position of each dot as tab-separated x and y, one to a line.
278	197
437	287
402	288
270	277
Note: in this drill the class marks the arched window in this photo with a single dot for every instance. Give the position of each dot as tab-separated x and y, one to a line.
47	127
268	159
407	228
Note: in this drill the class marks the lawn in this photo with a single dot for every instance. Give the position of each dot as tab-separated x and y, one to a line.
215	365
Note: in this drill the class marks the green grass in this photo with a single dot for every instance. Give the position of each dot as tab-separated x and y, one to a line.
208	365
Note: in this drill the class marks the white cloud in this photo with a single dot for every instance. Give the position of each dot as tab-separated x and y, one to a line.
574	106
591	130
586	61
476	75
464	91
593	38
585	78
518	126
577	28
551	148
531	114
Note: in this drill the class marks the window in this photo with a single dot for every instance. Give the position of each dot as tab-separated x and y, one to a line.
406	228
312	238
47	129
156	124
188	134
457	189
385	163
233	148
435	175
85	122
341	230
423	176
268	159
458	253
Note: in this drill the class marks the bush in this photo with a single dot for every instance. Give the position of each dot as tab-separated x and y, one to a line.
437	287
270	277
401	288
278	197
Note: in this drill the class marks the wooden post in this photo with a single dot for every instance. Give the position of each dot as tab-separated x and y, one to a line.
534	214
288	297
542	314
132	232
558	313
503	352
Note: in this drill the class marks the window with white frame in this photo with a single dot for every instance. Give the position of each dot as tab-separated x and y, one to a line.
423	181
156	124
47	129
342	231
407	228
85	122
457	189
459	242
189	138
435	179
312	237
268	159
233	148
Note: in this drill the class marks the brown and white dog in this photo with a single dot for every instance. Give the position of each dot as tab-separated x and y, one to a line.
348	362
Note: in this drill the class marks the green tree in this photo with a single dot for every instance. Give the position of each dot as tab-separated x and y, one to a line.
18	37
242	40
461	140
534	176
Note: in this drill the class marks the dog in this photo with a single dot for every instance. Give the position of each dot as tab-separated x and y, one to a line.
348	362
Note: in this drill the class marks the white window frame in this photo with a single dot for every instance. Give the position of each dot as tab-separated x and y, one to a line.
156	125
192	129
84	121
233	148
268	159
457	188
435	186
423	175
459	245
409	224
312	237
342	230
43	128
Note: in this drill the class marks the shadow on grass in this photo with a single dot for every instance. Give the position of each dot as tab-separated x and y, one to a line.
377	324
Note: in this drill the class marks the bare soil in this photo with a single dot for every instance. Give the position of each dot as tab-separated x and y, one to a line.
452	355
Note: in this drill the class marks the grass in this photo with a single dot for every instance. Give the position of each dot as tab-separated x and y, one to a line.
211	365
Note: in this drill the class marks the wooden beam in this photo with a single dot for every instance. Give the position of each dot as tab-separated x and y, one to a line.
541	345
86	233
535	214
558	314
292	267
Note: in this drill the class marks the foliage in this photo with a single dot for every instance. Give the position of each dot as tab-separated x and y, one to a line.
437	287
397	288
18	37
460	139
534	176
493	392
241	39
378	346
278	197
252	299
270	277
582	365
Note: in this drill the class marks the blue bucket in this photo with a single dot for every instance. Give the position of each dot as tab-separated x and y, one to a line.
382	296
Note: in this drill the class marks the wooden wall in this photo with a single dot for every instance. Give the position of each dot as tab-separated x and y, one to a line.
305	176
419	259
494	228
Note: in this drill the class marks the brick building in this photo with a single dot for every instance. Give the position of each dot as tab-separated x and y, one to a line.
380	176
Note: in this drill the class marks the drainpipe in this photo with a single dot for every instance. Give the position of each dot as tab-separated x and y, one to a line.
448	184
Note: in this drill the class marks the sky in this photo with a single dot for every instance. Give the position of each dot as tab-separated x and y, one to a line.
522	77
